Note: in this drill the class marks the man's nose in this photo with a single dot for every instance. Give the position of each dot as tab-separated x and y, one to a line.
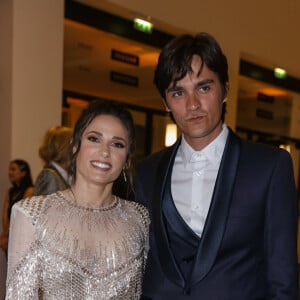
193	102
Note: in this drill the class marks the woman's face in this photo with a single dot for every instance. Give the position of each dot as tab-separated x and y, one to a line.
14	173
103	151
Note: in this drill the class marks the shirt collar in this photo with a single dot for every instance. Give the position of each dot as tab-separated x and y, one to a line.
60	170
213	151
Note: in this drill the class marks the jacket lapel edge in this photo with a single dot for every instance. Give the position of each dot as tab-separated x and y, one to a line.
218	213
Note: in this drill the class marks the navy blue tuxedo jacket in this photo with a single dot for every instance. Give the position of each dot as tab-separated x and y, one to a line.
248	249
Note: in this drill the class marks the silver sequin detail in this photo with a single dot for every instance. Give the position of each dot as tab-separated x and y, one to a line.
79	253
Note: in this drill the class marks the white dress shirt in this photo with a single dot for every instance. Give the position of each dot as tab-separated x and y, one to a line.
193	179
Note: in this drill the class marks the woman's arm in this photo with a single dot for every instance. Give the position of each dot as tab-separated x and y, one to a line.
23	264
29	192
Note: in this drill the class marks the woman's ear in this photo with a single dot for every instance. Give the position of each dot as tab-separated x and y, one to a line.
128	163
74	149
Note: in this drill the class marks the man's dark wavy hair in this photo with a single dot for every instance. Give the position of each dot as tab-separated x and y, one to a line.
175	60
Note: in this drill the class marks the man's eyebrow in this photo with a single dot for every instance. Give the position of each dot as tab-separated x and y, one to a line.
175	87
205	81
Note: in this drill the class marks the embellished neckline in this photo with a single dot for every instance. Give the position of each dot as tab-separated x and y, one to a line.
100	208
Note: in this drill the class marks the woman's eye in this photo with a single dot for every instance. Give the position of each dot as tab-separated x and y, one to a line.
93	138
118	145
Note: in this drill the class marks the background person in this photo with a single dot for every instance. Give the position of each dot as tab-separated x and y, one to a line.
22	187
223	210
54	153
83	242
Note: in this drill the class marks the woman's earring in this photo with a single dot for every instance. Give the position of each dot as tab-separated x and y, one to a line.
124	176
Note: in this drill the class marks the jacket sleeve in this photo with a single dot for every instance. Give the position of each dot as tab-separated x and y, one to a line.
281	232
46	183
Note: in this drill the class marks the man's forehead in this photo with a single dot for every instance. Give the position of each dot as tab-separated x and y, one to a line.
193	73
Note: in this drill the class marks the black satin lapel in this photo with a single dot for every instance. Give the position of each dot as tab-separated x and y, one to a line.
217	216
166	258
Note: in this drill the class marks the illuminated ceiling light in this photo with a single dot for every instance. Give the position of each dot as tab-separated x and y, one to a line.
280	73
171	134
143	25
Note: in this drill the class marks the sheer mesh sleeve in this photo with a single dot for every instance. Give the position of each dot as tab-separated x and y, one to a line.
22	273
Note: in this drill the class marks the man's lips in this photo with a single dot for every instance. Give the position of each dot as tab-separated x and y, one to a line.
195	117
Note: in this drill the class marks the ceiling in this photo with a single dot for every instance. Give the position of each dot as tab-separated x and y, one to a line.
88	66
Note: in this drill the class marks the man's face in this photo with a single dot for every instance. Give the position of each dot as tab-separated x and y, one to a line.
196	103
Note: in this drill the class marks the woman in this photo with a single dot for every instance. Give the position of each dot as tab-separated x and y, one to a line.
84	242
54	153
20	177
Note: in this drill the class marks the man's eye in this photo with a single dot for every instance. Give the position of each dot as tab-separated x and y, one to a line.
177	94
204	88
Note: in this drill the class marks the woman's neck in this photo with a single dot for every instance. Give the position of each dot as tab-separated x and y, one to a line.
91	196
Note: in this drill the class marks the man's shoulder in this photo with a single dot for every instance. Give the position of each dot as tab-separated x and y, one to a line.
265	148
263	153
257	150
47	174
154	158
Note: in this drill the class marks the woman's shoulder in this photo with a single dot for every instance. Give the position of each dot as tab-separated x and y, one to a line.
30	206
138	209
134	205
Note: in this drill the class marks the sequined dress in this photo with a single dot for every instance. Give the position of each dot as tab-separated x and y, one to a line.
61	251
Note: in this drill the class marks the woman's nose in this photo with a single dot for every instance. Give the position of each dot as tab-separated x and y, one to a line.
104	151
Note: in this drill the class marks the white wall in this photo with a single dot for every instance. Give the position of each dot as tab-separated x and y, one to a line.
31	59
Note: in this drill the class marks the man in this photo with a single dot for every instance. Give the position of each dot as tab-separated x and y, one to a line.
224	210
